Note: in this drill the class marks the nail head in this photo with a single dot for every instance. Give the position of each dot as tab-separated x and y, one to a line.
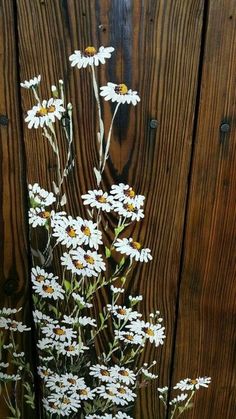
153	123
4	120
225	127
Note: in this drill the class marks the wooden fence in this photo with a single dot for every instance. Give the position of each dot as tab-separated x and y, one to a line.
177	147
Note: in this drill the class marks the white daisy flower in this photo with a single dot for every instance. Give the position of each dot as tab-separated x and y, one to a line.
84	321
38	217
45	113
130	338
45	344
136	299
121	415
122	312
162	390
59	332
153	332
81	301
125	193
40	317
202	382
49	289
148	375
119	93
39	196
98	199
4	365
179	399
6	311
9	377
75	262
128	210
15	326
71	349
39	275
107	392
89	234
125	375
44	372
124	395
34	82
102	372
67	231
133	249
116	290
90	56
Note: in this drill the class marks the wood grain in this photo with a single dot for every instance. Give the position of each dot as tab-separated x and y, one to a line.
157	53
14	290
206	319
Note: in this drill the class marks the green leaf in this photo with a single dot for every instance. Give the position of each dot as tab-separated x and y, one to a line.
107	252
121	263
119	229
67	285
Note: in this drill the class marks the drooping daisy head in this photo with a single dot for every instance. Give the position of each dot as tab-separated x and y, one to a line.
119	93
45	113
39	196
133	249
98	199
90	56
34	82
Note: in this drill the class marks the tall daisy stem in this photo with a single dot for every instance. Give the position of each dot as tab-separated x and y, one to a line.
100	121
109	138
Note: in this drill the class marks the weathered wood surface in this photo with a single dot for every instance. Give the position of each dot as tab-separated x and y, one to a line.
14	291
157	53
206	319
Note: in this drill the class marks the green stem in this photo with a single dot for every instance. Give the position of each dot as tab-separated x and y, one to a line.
109	138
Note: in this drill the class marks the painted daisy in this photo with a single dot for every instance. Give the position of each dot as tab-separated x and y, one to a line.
39	275
87	321
128	210
153	332
125	375
58	332
130	338
119	93
75	262
49	289
38	217
81	301
121	415
133	249
124	395
67	231
15	326
45	344
191	384
102	372
45	113
179	399
89	234
125	193
34	82
40	317
98	199
71	349
44	372
123	313
90	56
91	259
39	196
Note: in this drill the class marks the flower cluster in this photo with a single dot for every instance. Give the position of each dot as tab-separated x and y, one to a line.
78	278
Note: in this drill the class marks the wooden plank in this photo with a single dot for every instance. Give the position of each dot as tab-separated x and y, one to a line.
13	225
206	321
157	53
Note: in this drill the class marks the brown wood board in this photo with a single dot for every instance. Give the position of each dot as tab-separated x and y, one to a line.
206	318
14	291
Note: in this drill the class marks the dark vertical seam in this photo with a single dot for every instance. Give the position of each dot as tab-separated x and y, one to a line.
189	182
23	179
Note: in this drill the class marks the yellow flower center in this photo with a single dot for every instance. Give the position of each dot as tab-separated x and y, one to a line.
105	373
53	405
194	382
78	264
136	245
42	112
130	192
45	214
58	331
129	207
122	390
40	278
110	392
149	331
51	109
13	325
121	89
101	199
124	373
86	231
71	381
121	311
71	232
65	400
129	337
70	348
45	373
90	51
83	392
48	289
89	259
